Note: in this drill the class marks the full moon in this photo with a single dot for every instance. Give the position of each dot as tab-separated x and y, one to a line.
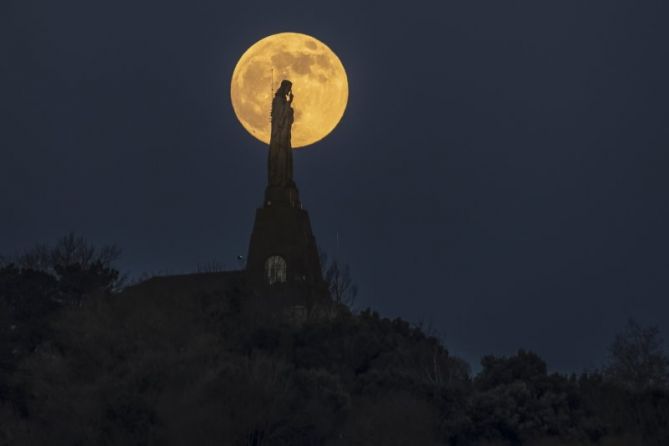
319	82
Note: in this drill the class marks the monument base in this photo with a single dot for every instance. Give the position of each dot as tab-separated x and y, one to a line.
283	255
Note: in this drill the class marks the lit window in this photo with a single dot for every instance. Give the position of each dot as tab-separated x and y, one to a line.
275	268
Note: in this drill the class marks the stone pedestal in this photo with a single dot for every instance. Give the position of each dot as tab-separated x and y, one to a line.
285	232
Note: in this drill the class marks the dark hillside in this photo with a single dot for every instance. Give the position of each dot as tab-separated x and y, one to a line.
83	363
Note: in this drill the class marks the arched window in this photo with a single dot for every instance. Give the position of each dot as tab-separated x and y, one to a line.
275	269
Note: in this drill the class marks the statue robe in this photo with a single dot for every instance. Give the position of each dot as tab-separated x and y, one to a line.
280	169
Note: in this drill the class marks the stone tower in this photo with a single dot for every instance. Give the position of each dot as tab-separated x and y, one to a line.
282	252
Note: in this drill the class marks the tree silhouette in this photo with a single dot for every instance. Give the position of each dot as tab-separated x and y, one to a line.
338	278
37	284
637	360
77	264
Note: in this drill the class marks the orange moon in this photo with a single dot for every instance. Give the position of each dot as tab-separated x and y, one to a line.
320	86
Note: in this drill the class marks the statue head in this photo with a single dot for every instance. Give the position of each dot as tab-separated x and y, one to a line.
284	88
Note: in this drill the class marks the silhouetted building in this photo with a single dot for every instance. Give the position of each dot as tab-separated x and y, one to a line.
283	261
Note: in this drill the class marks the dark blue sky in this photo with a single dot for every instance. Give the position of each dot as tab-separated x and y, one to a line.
501	172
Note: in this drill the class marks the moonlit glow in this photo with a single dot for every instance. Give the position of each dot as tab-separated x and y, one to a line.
319	82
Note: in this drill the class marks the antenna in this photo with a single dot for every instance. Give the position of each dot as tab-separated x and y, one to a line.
271	93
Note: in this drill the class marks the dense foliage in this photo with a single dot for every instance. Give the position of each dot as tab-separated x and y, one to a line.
83	364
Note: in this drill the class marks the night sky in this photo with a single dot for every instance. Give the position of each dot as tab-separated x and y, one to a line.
500	174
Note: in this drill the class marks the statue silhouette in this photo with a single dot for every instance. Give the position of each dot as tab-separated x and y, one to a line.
280	161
